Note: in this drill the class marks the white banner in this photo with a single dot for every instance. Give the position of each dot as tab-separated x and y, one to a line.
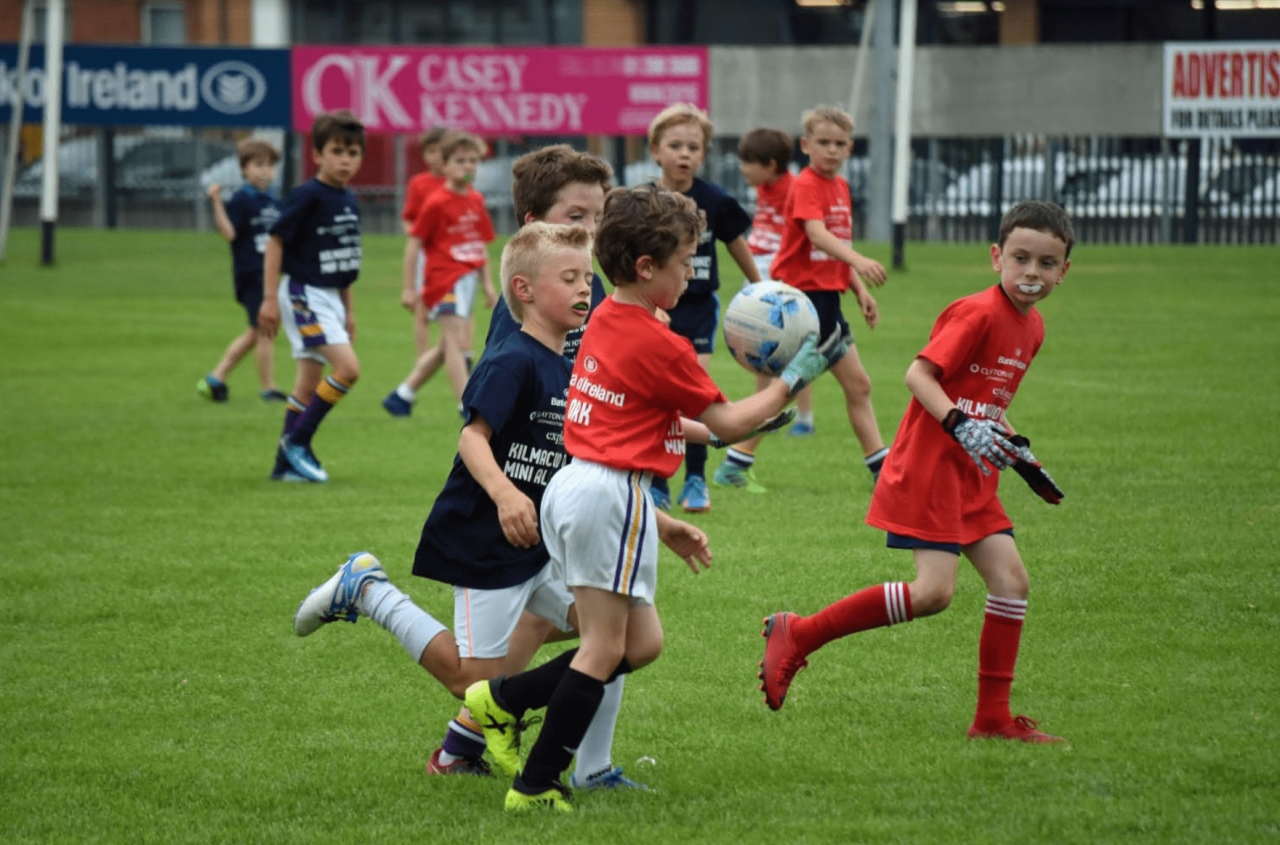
1222	88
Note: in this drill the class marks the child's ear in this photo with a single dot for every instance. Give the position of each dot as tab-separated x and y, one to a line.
522	289
644	267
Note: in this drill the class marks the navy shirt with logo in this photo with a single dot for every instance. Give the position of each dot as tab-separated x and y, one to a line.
251	213
725	220
519	389
501	323
320	229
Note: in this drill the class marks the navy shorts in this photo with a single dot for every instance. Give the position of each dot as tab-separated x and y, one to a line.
830	316
249	295
902	541
697	317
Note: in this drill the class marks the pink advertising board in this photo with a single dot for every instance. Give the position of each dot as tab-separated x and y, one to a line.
498	90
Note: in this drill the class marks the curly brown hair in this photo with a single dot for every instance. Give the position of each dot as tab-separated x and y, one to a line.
643	220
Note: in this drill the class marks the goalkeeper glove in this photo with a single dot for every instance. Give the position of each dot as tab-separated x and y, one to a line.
834	348
1026	465
772	424
807	364
980	439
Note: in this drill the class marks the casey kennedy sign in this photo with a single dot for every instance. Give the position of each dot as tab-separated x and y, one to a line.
498	90
1222	88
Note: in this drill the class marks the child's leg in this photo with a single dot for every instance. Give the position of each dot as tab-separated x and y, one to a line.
327	393
735	469
804	413
424	368
236	350
421	326
469	352
454	342
694	496
265	357
856	384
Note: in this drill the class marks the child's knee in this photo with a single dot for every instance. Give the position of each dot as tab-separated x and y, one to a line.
644	651
928	598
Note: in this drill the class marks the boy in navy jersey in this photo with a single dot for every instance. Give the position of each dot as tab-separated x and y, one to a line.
678	140
244	223
312	257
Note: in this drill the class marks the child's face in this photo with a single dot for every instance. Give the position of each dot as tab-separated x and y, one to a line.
431	155
337	162
259	172
1031	264
559	294
827	146
668	281
460	168
577	204
754	173
679	151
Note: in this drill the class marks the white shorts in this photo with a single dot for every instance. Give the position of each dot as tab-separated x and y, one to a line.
312	317
420	272
458	301
483	620
763	263
600	528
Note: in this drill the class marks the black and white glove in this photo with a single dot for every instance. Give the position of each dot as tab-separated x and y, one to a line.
772	424
985	441
1032	472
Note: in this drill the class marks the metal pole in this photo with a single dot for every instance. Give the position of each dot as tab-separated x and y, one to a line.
860	64
15	124
880	126
902	127
52	127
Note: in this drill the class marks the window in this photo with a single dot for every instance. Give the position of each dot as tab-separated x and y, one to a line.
40	20
164	23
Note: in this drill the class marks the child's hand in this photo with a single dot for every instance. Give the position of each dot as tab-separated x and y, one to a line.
268	318
518	517
870	271
409	300
688	541
870	311
215	191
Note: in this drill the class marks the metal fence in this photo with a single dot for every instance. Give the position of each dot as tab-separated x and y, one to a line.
1118	190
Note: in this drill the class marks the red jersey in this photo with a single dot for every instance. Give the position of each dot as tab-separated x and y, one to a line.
929	487
454	229
767	225
632	381
800	263
421	185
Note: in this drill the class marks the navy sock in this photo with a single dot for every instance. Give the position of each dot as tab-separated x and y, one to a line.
695	460
570	711
531	689
330	391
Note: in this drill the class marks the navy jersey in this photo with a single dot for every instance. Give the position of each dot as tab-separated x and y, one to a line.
320	228
519	389
501	323
252	213
725	220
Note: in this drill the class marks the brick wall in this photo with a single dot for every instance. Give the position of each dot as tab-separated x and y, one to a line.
612	23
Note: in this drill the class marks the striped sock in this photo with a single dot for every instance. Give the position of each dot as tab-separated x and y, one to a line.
872	607
876	460
328	394
292	410
464	738
740	457
997	655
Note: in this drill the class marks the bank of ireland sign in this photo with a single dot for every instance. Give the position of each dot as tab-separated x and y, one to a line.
497	90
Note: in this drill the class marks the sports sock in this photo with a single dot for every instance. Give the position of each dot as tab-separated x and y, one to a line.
805	417
328	394
595	753
464	738
292	410
469	359
407	393
740	458
871	607
383	602
997	654
572	707
695	460
532	688
876	460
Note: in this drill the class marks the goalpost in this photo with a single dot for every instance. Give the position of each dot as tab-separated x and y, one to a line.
10	167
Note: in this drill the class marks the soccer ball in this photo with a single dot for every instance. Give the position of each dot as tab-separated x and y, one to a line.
765	324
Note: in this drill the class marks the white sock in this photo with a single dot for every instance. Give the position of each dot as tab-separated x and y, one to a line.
407	393
411	625
595	753
740	458
805	417
876	456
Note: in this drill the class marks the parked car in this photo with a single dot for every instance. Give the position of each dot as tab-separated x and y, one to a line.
160	165
77	166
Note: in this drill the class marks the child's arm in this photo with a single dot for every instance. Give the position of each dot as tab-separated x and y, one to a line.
269	312
412	246
868	268
735	421
516	513
742	255
220	219
983	440
685	540
490	292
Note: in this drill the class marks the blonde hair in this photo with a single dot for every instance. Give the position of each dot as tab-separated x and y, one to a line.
826	114
678	114
528	250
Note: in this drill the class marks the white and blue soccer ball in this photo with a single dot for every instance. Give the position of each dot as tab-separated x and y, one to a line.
766	323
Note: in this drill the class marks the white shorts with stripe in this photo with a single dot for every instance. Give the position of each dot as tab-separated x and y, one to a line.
458	301
312	317
600	528
483	620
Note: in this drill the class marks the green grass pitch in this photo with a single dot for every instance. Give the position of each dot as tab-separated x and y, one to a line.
151	688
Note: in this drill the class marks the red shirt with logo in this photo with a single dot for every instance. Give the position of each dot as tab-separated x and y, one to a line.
421	185
454	229
768	223
632	381
929	487
800	263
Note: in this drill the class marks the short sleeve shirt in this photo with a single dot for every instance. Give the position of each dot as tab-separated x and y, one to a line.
251	213
421	185
800	263
726	220
633	380
501	323
519	390
454	230
320	231
929	488
769	220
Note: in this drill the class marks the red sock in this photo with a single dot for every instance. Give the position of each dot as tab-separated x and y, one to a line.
873	607
997	654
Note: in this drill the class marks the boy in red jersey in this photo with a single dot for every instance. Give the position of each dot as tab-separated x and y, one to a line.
632	381
420	186
937	495
816	257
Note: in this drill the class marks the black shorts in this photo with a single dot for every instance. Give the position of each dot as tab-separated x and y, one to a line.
902	541
249	295
830	316
697	317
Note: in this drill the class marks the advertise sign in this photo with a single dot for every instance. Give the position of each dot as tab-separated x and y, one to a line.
1223	88
155	85
498	90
